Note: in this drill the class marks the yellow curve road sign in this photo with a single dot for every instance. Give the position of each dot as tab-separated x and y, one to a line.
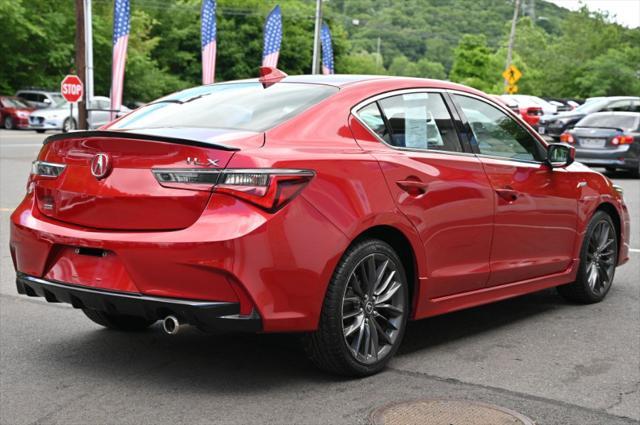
512	75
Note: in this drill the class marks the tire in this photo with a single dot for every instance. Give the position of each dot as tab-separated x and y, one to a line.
610	169
377	313
8	123
69	124
40	131
118	322
598	260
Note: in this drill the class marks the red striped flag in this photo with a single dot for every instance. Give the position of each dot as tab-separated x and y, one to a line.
121	27
208	35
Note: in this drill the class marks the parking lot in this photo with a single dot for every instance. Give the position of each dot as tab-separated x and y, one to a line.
554	362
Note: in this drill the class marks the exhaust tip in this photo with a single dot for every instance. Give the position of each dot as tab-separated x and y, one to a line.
171	325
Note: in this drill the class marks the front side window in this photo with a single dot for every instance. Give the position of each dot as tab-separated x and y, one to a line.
240	106
497	134
414	120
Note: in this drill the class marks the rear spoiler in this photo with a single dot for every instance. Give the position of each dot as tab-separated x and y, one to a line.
141	135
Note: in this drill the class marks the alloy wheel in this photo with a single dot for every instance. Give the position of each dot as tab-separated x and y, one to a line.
373	308
600	257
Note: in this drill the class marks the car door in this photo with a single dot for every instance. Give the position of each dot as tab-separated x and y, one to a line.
441	189
535	205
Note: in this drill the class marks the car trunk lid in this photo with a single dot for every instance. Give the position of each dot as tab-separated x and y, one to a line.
128	197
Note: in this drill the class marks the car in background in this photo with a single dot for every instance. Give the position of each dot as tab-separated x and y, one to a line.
506	102
528	110
40	99
607	139
552	126
562	105
525	101
14	113
59	117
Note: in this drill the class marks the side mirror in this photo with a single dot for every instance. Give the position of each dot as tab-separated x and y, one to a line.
560	155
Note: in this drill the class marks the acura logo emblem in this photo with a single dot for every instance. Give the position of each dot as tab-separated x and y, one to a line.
101	165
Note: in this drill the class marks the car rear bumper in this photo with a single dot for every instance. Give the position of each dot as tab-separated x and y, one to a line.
207	315
277	265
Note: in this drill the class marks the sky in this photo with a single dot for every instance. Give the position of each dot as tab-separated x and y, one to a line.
627	12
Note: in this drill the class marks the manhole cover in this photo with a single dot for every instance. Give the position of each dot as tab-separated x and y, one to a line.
446	412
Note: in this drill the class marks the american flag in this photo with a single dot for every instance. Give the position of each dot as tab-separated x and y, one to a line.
121	29
209	30
327	50
272	38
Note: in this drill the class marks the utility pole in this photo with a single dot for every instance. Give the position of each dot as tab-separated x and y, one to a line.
512	38
315	66
80	61
88	42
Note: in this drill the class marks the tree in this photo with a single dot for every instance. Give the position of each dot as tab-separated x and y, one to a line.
612	73
473	63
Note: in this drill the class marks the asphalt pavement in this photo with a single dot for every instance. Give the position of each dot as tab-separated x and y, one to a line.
552	361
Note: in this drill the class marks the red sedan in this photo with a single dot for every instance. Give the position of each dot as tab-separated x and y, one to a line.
14	112
337	206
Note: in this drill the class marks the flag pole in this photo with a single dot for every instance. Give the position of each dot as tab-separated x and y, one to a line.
316	38
80	61
88	45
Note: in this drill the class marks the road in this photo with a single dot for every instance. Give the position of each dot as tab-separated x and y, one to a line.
554	362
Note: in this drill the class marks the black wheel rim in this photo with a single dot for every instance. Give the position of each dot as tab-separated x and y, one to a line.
373	308
601	257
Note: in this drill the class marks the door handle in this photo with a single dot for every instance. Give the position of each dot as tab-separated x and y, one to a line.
508	194
413	187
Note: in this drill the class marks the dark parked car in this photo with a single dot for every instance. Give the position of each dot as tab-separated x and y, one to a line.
14	113
554	125
608	139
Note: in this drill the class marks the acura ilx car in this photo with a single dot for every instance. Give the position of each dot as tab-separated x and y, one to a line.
338	207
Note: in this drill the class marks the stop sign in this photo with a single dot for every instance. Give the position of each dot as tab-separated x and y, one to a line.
71	88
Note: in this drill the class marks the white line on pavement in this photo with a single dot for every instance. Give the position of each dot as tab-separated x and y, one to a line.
634	249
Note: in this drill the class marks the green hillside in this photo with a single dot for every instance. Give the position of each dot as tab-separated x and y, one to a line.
561	53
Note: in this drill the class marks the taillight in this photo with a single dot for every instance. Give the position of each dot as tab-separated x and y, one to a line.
534	112
46	169
268	188
42	169
567	138
622	140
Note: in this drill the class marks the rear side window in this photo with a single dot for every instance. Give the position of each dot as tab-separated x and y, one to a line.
372	117
413	120
242	106
497	134
620	105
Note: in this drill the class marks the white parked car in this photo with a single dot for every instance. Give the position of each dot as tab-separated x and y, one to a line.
525	101
58	117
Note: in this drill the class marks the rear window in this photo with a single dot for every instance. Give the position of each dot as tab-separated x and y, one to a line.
627	122
241	106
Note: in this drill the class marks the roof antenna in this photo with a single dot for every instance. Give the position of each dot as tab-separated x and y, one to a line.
270	75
